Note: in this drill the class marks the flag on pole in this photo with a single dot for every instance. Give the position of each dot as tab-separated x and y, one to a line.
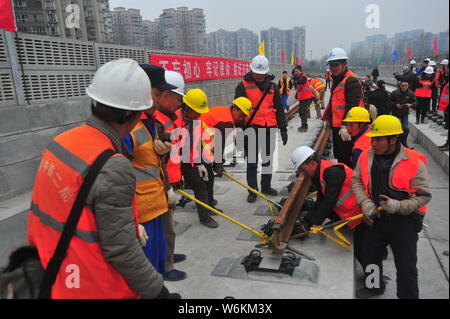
394	56
292	58
7	21
435	43
261	49
282	56
409	54
299	61
378	60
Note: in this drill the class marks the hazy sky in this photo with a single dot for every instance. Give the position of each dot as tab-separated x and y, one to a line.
329	23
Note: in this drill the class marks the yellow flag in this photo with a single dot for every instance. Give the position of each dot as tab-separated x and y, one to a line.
292	58
261	49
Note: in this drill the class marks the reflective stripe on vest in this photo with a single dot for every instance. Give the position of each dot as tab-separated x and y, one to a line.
318	84
57	182
288	90
346	205
338	102
400	175
151	196
266	112
443	102
424	91
303	90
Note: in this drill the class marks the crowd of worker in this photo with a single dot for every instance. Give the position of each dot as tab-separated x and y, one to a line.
164	138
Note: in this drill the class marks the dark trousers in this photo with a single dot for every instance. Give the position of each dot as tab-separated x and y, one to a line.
203	191
342	150
423	106
434	99
303	111
358	243
265	144
400	232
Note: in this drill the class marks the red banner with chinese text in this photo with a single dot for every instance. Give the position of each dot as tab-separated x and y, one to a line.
201	68
7	16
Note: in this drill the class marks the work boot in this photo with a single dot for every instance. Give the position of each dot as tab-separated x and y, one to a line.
177	258
302	129
210	223
251	198
422	121
417	122
444	148
269	191
174	275
366	293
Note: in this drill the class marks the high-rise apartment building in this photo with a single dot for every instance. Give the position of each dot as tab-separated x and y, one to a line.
128	27
183	30
291	41
241	44
98	21
246	44
152	38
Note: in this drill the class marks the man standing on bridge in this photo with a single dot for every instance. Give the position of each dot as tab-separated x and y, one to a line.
267	115
346	92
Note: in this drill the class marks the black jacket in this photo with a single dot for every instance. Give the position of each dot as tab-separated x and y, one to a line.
277	102
408	77
400	97
380	98
375	73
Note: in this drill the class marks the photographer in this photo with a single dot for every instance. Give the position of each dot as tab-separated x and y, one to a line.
407	76
402	100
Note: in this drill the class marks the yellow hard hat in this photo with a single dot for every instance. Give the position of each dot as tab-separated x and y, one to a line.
244	104
357	114
197	100
385	125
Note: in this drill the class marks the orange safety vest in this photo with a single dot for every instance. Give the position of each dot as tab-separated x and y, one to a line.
436	78
402	173
58	180
424	91
317	83
346	205
304	91
443	102
363	142
266	115
216	115
288	90
338	102
173	166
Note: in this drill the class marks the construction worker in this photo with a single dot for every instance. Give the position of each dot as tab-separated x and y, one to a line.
152	200
346	92
335	199
320	88
304	95
390	183
357	122
223	119
157	218
443	77
402	100
443	107
267	116
106	248
327	79
285	85
423	92
414	68
196	167
435	88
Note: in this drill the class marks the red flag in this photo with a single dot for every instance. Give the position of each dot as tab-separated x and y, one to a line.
299	61
435	43
409	54
7	16
282	56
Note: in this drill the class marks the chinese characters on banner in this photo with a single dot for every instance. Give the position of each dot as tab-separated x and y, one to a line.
201	68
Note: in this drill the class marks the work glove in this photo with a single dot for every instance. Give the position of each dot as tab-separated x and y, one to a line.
219	169
165	294
389	205
171	198
344	134
369	211
161	147
142	235
203	172
284	137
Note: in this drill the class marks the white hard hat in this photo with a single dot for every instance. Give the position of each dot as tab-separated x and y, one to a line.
429	70
260	65
328	70
300	155
413	62
432	63
177	80
122	84
444	62
428	59
337	54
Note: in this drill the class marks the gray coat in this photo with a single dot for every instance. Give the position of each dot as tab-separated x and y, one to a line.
110	199
419	182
